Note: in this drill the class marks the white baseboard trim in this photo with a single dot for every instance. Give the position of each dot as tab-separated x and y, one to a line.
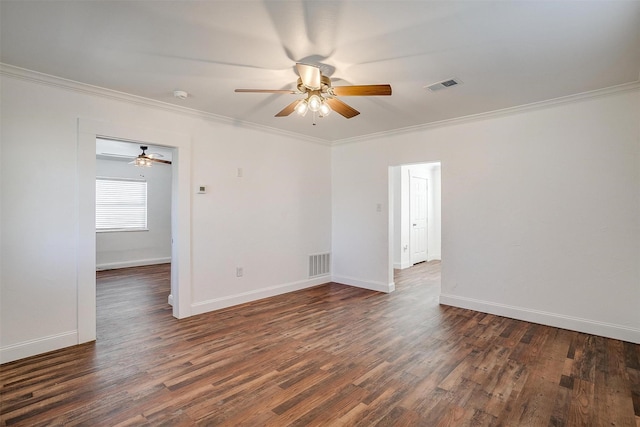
434	257
401	265
366	284
587	326
38	346
170	300
134	263
231	300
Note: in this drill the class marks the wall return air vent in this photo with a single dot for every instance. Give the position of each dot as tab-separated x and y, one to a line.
445	84
319	264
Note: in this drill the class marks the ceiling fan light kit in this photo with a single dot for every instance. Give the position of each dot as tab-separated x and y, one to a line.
314	103
321	96
145	160
302	107
142	162
324	109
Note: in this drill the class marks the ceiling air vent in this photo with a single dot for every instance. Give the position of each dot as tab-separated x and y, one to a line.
443	84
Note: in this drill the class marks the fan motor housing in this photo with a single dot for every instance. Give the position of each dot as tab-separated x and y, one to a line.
325	83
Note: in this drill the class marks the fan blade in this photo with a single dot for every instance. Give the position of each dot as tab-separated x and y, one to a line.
310	76
288	109
362	90
341	108
167	162
151	159
265	91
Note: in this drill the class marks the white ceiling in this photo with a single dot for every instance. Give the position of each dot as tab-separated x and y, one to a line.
507	53
128	151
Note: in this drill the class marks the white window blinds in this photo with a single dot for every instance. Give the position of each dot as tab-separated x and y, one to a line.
121	204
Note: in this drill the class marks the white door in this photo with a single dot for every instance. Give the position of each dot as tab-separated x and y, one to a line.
418	218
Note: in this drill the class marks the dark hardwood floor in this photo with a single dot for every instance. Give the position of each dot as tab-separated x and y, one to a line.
330	355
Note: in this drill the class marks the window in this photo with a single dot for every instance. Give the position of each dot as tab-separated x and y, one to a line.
121	204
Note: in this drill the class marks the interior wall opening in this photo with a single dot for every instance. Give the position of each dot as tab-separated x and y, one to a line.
133	205
415	215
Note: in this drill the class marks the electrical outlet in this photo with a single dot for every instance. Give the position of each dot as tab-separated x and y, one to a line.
240	172
239	271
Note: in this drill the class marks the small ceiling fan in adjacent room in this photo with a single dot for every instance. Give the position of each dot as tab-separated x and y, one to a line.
146	160
321	97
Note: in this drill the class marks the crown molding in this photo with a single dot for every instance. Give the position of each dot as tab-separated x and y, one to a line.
72	85
626	87
50	80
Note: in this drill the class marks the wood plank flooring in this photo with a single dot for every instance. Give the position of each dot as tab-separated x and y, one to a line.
331	355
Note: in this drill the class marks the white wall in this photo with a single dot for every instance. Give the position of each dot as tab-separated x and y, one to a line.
401	254
540	211
268	222
434	226
117	249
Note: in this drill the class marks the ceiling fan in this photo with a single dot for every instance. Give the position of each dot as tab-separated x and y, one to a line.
321	96
145	159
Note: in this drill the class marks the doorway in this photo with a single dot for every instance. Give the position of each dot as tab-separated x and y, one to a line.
88	131
133	206
416	230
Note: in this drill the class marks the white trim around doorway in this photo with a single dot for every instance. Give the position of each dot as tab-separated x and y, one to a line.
88	131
